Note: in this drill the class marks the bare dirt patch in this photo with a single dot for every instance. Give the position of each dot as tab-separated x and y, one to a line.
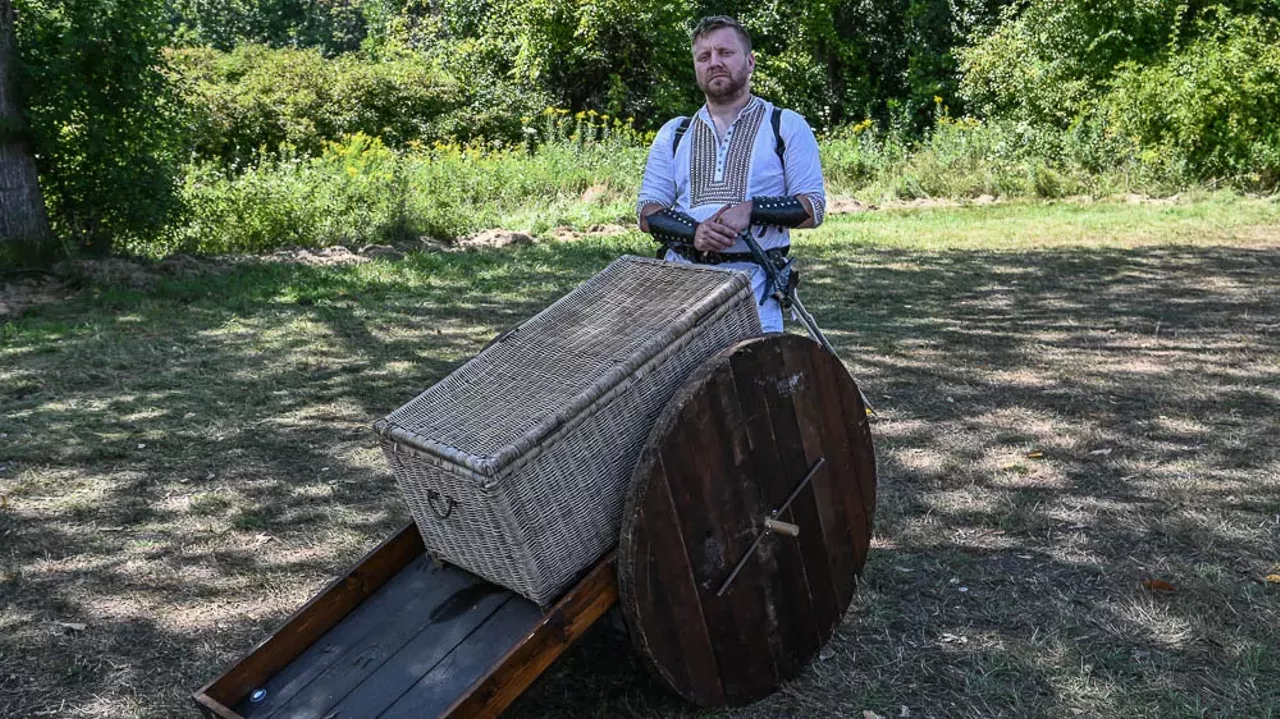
492	239
568	234
20	291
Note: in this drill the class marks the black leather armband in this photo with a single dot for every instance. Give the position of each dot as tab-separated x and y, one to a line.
668	226
780	211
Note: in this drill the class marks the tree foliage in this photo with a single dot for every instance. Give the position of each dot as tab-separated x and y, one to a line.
832	60
103	119
1049	61
255	98
331	26
1213	104
1190	87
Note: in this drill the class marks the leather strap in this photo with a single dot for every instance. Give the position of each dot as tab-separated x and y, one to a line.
785	211
697	257
671	225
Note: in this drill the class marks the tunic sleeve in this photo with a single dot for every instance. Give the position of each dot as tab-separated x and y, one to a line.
659	183
804	167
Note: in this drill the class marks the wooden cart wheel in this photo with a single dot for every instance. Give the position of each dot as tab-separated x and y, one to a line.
770	419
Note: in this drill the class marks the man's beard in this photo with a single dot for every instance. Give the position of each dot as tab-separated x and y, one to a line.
730	88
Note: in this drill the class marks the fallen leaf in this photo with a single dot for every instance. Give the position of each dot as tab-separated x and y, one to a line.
1101	452
903	711
1158	585
141	445
73	626
868	714
1035	454
1273	578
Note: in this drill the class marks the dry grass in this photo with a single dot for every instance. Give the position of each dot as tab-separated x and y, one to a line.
1073	399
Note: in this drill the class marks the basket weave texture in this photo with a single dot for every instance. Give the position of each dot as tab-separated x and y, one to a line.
515	466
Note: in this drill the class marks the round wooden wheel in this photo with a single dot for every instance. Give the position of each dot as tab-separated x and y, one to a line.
748	520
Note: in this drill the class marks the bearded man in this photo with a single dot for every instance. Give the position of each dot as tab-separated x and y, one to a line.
738	165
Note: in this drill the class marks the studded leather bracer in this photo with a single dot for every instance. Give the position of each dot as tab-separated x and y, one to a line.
780	211
672	226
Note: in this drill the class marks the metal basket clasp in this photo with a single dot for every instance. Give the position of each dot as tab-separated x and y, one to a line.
449	503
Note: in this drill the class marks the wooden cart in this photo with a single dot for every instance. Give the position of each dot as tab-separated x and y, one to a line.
748	521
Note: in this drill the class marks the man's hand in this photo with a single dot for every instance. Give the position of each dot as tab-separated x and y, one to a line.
735	217
713	235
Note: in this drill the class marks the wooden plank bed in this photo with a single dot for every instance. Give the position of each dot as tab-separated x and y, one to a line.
399	636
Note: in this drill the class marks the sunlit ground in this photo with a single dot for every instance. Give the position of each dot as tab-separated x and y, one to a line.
1074	399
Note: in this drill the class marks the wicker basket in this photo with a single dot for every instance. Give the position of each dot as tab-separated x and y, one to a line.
515	466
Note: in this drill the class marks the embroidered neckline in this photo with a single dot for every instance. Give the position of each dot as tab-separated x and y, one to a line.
705	115
719	170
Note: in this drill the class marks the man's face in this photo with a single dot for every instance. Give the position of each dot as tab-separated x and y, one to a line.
721	64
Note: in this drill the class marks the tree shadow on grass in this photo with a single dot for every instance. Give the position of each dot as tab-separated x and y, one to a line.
1055	428
188	464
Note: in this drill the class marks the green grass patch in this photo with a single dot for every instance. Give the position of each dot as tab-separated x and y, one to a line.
1073	397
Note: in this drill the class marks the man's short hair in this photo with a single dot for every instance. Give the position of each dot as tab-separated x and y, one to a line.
715	22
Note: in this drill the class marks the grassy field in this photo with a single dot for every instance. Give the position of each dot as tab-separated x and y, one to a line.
1074	398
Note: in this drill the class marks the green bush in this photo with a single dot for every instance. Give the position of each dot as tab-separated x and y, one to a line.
1049	61
580	171
1213	107
829	60
352	194
104	124
968	158
333	27
256	98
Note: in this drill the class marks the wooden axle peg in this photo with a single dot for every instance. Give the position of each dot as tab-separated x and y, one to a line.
780	527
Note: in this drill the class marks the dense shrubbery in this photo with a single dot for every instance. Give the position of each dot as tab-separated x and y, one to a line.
834	60
968	158
103	119
1211	109
254	98
1186	92
577	171
333	26
357	121
359	191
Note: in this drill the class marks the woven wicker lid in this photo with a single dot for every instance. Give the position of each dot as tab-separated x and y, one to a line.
547	370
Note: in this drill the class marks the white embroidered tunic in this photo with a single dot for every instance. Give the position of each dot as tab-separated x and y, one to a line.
706	173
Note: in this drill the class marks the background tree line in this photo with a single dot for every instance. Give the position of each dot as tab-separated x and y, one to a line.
125	101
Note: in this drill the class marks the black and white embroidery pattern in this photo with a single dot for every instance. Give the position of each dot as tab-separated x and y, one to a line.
732	187
819	203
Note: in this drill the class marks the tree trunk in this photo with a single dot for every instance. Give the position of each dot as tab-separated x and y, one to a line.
22	213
